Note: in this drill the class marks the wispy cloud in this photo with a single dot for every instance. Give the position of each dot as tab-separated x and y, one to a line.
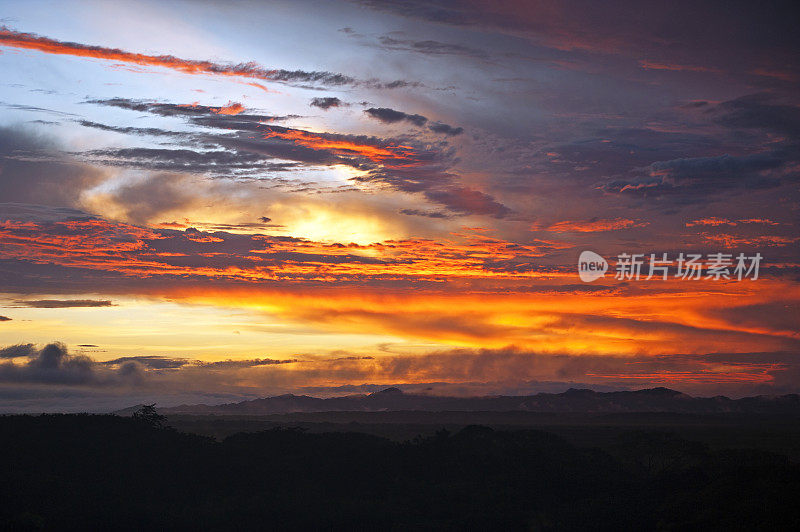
64	303
250	70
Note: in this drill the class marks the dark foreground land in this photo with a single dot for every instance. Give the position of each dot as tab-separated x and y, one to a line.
775	433
84	472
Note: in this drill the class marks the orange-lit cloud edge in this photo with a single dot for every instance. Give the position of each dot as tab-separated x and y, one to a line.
445	293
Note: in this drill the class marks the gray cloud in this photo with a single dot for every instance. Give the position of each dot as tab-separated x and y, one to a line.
468	201
130	130
218	162
429	214
63	303
53	365
35	171
450	131
430	47
159	193
760	111
326	103
203	115
16	351
702	176
149	361
420	168
391	116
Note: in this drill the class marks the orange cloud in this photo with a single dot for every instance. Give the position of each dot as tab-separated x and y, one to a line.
233	108
620	323
341	146
30	41
135	251
713	221
593	226
733	241
471	291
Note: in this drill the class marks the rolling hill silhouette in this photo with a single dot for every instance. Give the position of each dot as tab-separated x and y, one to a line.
573	400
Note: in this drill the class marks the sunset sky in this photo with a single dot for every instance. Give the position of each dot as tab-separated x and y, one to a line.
213	201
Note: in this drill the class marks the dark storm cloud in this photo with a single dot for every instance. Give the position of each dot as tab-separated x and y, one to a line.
63	303
391	116
450	131
326	103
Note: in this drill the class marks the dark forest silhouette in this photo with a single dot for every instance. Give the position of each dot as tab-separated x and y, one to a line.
95	472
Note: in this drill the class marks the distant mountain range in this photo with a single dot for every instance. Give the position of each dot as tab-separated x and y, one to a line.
573	400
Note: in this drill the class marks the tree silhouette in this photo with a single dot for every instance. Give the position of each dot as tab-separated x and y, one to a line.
148	414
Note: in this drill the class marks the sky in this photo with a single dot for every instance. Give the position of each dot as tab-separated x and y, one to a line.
205	202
